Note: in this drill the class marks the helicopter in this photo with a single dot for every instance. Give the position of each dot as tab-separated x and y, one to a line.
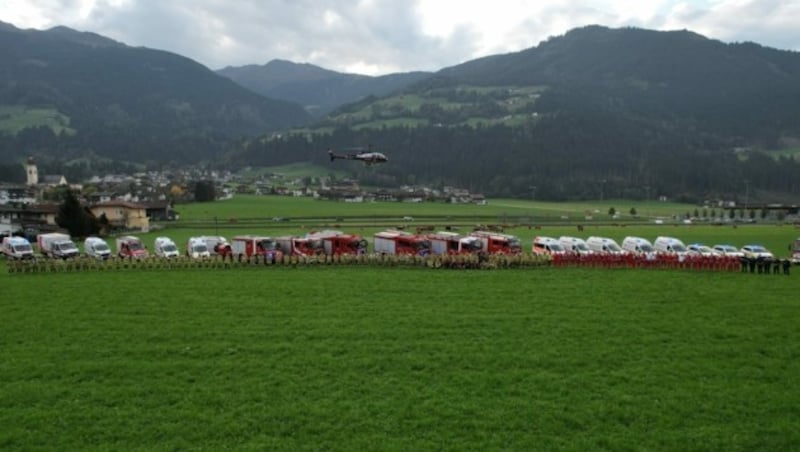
366	155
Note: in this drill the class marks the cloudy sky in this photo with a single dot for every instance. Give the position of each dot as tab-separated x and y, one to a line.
383	36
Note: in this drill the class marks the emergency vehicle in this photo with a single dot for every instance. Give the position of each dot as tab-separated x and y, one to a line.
165	247
400	242
256	245
56	245
453	243
547	245
338	244
498	243
131	247
97	248
669	245
603	245
574	245
196	248
17	248
298	246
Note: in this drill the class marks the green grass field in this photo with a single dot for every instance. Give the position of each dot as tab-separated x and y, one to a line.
14	118
527	219
360	358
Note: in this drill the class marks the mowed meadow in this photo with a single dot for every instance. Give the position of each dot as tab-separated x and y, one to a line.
397	358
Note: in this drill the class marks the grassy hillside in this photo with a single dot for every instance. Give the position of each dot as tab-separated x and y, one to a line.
14	118
451	107
358	358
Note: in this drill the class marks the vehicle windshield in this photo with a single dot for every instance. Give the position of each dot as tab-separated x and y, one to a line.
726	248
796	246
472	245
169	247
22	248
514	244
268	245
422	245
646	248
613	247
678	248
556	247
758	249
581	247
101	247
200	249
134	246
67	246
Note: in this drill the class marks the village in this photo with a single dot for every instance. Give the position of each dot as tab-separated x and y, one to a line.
130	202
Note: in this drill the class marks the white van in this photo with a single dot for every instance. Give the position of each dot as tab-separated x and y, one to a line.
574	245
96	247
603	245
637	245
17	248
196	248
546	245
165	247
669	245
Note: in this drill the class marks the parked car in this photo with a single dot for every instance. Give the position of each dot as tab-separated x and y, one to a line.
756	252
727	250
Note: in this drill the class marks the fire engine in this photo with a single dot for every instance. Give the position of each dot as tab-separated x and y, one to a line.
452	243
130	246
344	244
256	245
497	243
400	242
298	246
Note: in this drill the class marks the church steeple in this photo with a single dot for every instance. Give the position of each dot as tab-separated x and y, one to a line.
32	173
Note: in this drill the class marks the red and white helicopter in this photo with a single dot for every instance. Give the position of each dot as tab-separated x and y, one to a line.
366	155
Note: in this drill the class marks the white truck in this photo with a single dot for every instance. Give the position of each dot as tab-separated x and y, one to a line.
56	245
216	244
670	245
196	248
97	248
165	247
604	245
17	248
574	245
637	245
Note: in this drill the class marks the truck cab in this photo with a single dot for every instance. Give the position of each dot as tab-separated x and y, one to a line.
97	248
196	248
17	248
165	247
547	245
131	247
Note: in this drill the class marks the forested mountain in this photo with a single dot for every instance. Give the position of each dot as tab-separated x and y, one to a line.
319	90
598	111
91	94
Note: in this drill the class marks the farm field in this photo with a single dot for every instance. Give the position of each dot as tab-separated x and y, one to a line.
413	359
281	215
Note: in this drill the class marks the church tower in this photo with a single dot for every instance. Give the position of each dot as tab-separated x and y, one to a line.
32	172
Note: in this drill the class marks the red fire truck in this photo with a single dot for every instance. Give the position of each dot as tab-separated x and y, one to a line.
400	242
344	244
256	245
497	243
131	247
452	243
298	246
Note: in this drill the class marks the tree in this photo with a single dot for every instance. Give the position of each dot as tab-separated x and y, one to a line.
612	211
204	191
76	219
633	211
